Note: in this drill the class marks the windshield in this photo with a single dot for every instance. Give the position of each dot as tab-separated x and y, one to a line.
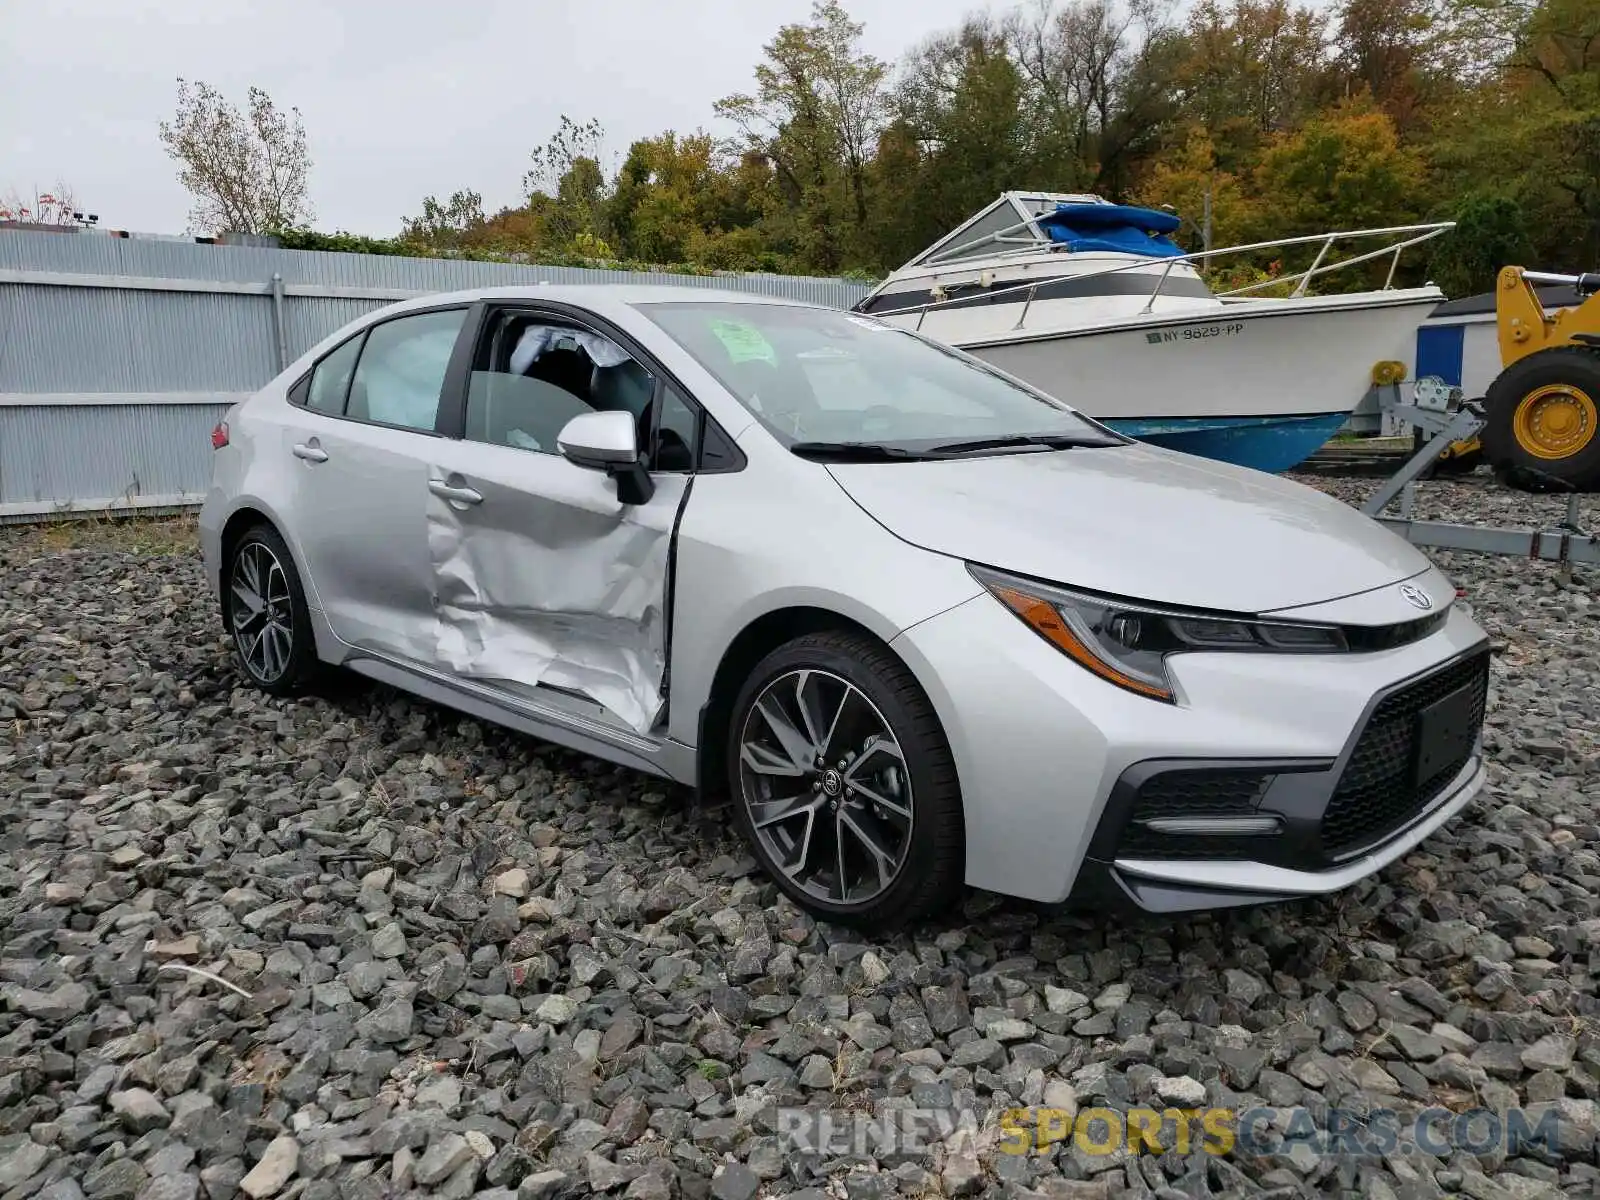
820	375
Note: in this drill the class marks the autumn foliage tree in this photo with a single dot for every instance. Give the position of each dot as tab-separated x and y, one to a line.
1282	118
247	171
55	207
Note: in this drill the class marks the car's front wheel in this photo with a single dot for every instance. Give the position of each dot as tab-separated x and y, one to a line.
267	615
843	782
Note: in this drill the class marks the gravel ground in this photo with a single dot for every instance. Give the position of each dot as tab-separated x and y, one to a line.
360	947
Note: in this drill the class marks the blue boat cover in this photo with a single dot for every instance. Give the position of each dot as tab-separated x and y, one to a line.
1119	228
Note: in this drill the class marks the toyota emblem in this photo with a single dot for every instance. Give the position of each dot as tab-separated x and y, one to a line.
1415	596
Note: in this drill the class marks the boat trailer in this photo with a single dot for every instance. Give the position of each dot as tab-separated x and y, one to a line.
1445	420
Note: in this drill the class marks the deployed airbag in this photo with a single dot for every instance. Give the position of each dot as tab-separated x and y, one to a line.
536	339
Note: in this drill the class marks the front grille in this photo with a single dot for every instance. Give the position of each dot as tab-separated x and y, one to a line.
1377	794
1194	793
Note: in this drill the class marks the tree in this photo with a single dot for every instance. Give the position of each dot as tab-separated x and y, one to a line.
1345	166
553	161
56	207
449	226
816	113
962	136
1405	53
1529	128
1180	182
567	188
1250	69
1491	232
1099	75
248	172
1344	169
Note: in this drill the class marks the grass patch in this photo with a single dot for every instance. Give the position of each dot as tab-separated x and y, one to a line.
154	536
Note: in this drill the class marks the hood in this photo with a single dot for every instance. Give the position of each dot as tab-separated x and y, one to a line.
1137	522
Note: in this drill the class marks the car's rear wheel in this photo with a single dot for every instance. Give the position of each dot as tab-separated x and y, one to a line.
267	615
843	782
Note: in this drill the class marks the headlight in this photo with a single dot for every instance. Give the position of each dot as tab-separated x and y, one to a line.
1128	643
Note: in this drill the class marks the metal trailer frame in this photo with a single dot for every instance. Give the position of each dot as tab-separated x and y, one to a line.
1445	418
1566	543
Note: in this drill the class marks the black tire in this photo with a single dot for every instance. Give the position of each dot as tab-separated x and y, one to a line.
1463	463
930	877
301	667
1577	367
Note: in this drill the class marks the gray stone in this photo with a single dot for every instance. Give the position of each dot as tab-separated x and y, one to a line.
273	1169
734	1181
443	1158
1553	1052
542	1185
140	1110
119	1179
390	1022
56	1005
389	941
1182	1091
21	1158
171	1187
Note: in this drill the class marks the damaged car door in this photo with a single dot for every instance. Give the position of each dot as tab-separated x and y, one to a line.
548	585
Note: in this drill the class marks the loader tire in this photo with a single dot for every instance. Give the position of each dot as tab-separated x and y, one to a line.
1542	422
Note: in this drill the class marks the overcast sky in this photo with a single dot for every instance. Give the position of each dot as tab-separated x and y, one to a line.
400	99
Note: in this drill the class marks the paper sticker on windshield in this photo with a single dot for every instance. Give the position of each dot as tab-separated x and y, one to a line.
867	323
744	343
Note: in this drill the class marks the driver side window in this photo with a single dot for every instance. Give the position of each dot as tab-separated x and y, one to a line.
534	374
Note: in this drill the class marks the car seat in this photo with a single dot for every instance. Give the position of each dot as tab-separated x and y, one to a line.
566	369
626	387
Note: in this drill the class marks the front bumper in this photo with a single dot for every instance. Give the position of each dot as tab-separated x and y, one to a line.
1169	836
1160	885
1062	773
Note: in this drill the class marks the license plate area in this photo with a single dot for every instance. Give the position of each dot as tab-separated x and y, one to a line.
1445	733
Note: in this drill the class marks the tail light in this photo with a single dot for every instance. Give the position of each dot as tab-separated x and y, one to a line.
219	435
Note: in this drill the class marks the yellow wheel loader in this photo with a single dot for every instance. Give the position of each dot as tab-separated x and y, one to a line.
1542	412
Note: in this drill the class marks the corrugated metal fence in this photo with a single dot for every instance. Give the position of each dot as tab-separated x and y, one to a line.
117	355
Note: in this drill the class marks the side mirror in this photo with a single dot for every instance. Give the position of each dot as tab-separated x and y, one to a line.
609	442
600	440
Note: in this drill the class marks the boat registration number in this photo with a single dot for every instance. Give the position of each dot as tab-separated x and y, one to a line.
1192	333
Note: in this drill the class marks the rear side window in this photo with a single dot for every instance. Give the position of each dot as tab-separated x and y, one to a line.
330	381
402	370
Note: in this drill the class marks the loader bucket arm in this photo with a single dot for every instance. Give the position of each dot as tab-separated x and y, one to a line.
1521	322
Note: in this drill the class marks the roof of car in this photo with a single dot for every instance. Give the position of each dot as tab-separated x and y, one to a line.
616	293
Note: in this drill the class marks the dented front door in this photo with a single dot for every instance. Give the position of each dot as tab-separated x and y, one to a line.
543	578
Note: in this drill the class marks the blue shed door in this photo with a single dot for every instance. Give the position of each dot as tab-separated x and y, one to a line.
1439	352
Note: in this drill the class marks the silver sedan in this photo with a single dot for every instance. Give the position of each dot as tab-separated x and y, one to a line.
922	625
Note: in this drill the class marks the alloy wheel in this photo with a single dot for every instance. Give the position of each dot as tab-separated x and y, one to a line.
262	613
825	784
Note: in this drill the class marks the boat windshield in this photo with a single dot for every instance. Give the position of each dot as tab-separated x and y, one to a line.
820	375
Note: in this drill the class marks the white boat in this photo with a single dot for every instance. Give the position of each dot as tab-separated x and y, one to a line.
1092	302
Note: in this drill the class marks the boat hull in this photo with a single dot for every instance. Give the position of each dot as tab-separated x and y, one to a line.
1271	444
1260	383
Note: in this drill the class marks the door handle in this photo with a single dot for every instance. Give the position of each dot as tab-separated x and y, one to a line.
461	495
310	453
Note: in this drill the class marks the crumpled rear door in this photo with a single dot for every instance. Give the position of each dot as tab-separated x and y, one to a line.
542	577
